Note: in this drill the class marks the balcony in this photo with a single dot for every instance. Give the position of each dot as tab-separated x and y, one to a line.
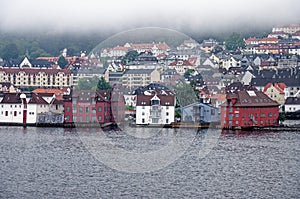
155	111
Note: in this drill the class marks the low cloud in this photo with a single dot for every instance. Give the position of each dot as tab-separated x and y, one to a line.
58	16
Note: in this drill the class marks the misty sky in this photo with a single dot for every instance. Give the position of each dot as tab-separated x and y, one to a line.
96	15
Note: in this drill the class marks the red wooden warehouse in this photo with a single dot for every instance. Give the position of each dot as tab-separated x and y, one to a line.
249	109
102	106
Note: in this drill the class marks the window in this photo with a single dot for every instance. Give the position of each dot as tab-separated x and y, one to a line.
100	108
74	110
68	109
143	120
15	113
86	109
99	118
67	118
143	113
270	114
6	113
167	121
236	115
155	102
74	100
80	109
236	122
167	107
167	113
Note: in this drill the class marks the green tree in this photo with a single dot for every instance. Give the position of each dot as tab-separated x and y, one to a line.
87	83
189	71
10	51
103	85
130	56
62	62
234	41
185	94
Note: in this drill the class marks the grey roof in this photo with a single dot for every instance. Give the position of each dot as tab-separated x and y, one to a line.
292	101
138	71
92	71
34	62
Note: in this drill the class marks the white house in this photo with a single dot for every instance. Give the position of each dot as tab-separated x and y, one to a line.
292	104
155	109
13	106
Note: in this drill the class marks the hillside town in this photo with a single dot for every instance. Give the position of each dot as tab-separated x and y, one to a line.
255	85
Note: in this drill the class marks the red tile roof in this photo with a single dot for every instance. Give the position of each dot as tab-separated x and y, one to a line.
266	39
278	86
33	71
181	63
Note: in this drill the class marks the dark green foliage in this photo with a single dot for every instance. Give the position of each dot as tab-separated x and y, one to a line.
234	41
10	51
185	95
103	85
189	71
87	83
129	57
62	62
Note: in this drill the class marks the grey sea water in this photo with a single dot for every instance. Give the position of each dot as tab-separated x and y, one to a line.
56	163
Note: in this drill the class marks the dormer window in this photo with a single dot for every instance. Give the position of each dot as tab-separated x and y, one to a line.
155	102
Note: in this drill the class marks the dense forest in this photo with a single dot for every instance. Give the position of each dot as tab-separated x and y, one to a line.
40	44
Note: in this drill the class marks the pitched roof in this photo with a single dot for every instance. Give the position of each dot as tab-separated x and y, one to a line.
278	86
48	90
145	100
251	99
181	63
33	71
11	98
37	99
292	101
138	71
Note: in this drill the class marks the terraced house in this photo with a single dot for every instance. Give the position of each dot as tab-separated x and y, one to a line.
35	73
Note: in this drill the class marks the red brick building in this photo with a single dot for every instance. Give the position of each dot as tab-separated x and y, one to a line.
102	106
249	109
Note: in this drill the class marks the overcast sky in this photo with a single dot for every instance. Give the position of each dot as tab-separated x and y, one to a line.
93	15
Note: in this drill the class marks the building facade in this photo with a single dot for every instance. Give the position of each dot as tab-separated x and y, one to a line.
155	109
140	77
249	109
86	106
37	77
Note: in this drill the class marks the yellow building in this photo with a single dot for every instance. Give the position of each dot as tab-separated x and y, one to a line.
275	91
37	77
140	77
